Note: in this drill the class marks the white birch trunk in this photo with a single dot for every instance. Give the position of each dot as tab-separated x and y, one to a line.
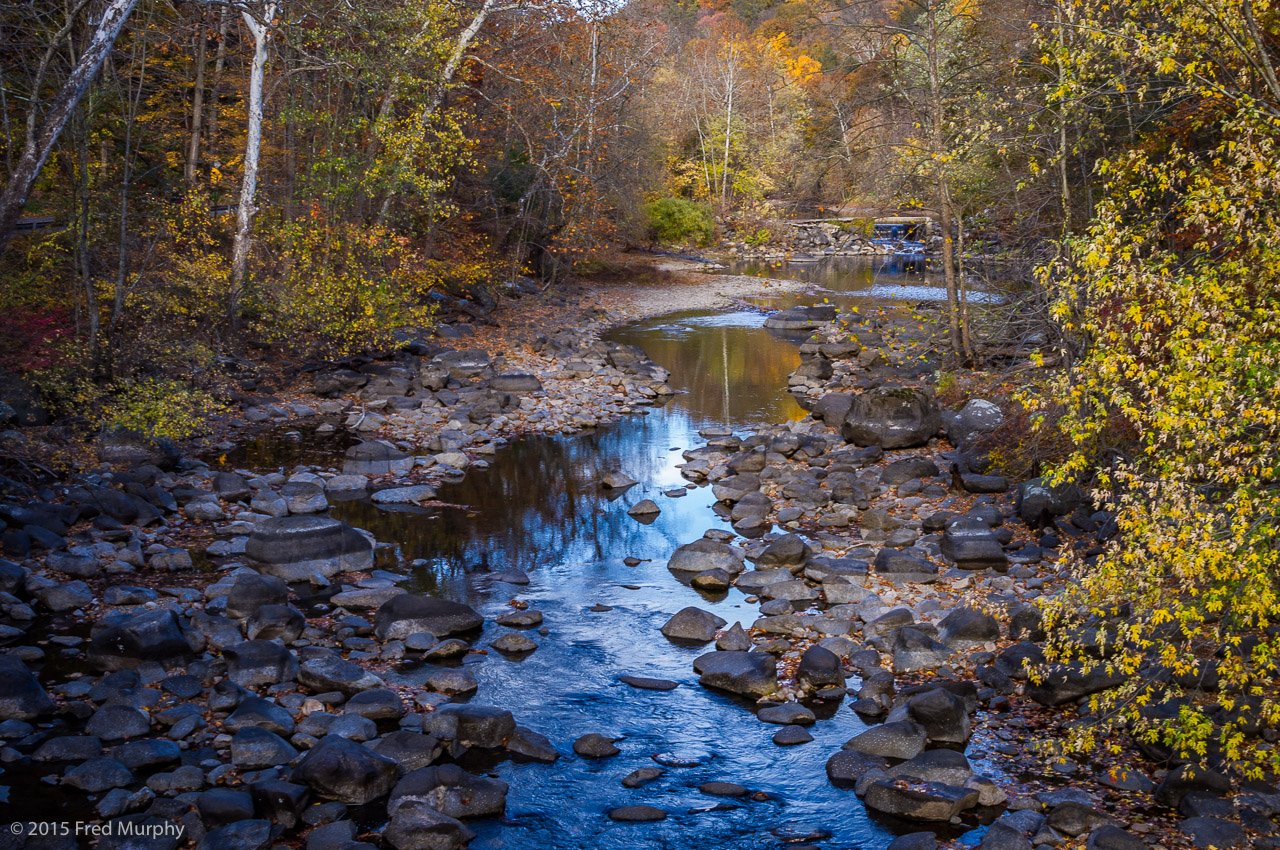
41	143
245	209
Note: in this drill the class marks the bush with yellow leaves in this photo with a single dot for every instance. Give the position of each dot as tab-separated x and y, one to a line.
159	408
1173	294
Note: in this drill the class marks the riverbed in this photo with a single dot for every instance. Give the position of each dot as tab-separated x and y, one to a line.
539	508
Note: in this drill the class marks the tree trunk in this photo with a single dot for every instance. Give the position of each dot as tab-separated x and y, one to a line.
92	311
939	144
126	181
949	264
591	104
1063	149
961	277
245	209
197	103
728	125
37	150
215	90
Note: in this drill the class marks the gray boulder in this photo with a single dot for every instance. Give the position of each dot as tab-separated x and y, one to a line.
892	418
942	715
98	775
464	365
847	767
972	545
251	591
1110	837
899	740
788	551
752	674
407	614
903	565
417	826
472	725
702	555
801	318
946	766
832	408
451	791
327	671
230	486
376	458
304	497
1062	684
515	382
931	801
977	417
275	622
256	711
1038	503
693	625
914	841
820	668
258	663
21	695
149	636
255	748
294	548
411	750
115	722
1001	836
342	770
966	628
904	469
915	651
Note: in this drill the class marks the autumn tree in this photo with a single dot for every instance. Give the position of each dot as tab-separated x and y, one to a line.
1170	293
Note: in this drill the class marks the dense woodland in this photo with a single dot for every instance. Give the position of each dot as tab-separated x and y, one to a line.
207	175
314	171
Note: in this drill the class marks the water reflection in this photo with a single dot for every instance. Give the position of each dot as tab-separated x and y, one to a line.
891	277
541	509
731	366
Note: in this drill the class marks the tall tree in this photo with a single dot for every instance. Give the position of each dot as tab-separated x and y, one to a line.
40	144
261	23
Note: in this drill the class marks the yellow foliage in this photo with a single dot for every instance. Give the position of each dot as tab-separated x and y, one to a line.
1177	308
345	287
159	409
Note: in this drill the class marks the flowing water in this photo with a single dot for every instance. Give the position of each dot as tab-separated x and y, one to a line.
539	508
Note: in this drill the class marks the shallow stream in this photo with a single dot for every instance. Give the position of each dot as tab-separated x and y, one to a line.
539	508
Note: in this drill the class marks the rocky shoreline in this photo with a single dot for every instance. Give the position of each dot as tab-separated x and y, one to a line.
212	647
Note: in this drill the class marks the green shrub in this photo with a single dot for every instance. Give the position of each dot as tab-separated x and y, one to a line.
340	289
158	408
677	221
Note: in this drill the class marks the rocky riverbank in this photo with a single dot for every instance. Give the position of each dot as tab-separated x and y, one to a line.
195	646
909	582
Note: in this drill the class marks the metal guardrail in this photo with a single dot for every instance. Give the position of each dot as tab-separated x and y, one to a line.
35	223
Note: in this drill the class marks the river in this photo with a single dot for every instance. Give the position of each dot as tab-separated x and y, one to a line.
540	508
